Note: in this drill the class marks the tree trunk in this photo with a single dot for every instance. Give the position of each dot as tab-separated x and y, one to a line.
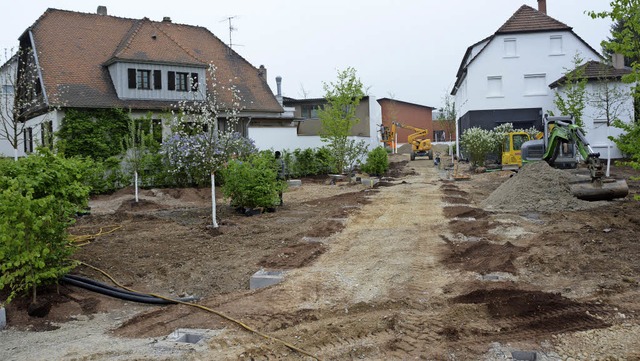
15	153
213	200
608	152
135	181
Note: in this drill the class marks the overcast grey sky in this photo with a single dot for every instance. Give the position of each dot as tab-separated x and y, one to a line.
408	49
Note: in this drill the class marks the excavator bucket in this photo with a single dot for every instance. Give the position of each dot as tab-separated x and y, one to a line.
606	190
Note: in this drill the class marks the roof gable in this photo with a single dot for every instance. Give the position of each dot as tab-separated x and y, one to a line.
147	42
527	19
73	49
595	70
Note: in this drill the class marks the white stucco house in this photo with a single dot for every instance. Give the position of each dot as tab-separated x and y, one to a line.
505	77
7	94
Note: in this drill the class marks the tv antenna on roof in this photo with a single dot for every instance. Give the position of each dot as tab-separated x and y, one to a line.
231	29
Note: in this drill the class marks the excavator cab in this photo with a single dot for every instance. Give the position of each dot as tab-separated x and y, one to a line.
512	149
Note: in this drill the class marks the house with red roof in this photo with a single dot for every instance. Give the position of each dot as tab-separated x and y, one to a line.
99	61
505	77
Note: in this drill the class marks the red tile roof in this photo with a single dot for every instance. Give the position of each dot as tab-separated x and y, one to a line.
528	19
74	48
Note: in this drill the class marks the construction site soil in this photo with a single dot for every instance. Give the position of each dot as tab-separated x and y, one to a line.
420	266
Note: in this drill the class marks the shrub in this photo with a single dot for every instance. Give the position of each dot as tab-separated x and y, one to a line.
377	161
41	194
477	143
253	181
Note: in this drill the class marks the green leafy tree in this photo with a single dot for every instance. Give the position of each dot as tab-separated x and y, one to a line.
40	195
338	116
625	40
570	96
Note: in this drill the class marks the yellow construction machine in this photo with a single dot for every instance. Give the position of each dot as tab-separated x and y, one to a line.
419	140
512	149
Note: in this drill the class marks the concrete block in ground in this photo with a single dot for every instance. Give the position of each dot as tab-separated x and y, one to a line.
264	278
294	182
524	355
370	182
3	318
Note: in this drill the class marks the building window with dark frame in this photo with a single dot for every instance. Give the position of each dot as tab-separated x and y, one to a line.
143	79
309	111
182	81
439	136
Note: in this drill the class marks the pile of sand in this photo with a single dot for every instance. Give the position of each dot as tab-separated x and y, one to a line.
537	187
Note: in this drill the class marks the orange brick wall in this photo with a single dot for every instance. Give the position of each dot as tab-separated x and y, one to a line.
410	114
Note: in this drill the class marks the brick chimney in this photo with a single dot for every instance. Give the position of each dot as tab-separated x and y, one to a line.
102	10
542	6
617	60
262	72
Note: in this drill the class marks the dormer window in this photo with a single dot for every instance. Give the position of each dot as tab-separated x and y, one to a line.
182	80
143	79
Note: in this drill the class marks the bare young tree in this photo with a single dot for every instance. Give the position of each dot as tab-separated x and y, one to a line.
447	117
20	92
608	99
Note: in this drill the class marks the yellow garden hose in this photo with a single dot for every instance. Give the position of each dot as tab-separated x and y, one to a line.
239	323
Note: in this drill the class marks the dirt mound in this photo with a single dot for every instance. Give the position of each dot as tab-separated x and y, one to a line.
484	257
533	313
536	187
464	212
141	205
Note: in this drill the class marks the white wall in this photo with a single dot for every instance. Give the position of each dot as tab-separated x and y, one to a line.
594	118
533	55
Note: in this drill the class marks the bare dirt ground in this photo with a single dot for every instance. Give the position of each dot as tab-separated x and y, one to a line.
413	268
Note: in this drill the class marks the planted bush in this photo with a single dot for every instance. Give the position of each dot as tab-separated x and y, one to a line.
252	182
40	196
377	162
477	143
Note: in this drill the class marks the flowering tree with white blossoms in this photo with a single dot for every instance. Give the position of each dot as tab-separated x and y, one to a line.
198	148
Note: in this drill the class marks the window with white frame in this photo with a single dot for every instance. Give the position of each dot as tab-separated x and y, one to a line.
535	84
510	48
555	43
494	86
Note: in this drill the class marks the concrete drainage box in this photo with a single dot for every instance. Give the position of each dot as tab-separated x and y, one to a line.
264	278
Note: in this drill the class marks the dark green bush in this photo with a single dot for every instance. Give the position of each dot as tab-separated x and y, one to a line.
40	196
252	182
377	162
